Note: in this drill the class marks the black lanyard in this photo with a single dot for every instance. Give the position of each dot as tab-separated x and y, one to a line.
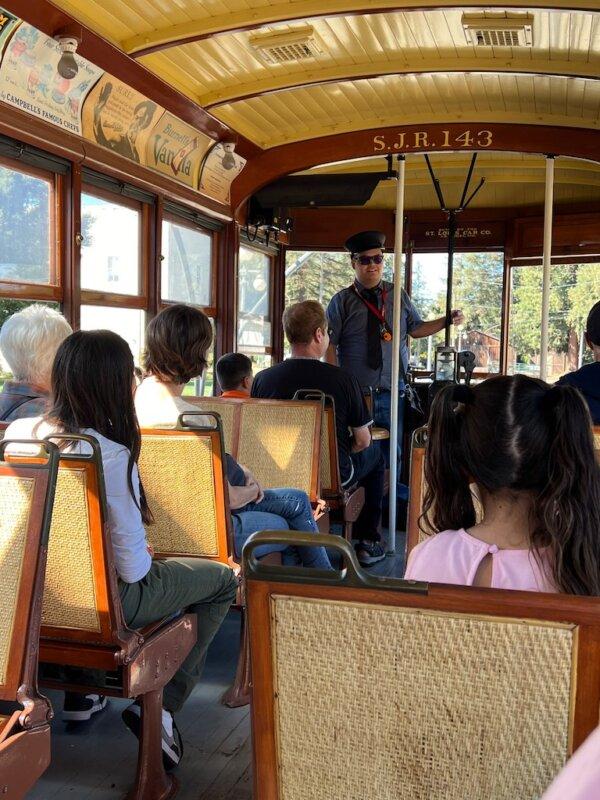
386	333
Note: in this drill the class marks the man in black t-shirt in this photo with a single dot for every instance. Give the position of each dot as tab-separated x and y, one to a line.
360	461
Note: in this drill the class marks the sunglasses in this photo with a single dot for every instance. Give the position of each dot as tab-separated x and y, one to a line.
364	261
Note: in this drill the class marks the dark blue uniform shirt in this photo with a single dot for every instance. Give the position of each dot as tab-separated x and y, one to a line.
348	321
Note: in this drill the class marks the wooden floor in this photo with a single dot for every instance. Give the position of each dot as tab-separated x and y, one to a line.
96	760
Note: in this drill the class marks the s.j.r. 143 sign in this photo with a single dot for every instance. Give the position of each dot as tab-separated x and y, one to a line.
423	140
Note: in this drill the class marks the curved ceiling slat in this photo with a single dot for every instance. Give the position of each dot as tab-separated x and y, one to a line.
406	100
254	15
337	74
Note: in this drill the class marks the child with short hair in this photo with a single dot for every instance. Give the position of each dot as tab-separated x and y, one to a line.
234	373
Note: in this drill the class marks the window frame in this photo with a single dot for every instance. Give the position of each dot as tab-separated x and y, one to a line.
175	219
477	374
524	263
271	255
99	298
54	289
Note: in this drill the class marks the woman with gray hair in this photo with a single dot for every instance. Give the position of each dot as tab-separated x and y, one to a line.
29	340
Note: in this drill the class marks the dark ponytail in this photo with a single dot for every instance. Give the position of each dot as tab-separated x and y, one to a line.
448	502
568	507
519	434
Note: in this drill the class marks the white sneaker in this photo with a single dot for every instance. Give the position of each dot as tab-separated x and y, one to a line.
172	744
81	707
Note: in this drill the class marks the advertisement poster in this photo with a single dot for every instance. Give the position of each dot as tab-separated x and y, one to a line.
176	149
217	174
7	25
29	79
120	118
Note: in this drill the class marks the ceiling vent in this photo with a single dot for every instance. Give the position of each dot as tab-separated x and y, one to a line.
285	47
511	31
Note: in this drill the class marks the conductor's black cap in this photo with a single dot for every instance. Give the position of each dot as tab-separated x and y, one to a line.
365	240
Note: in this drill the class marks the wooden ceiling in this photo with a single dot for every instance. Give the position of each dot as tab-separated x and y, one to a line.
511	180
374	66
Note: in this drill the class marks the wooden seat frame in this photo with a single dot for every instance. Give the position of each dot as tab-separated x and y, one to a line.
353	585
135	663
238	693
25	734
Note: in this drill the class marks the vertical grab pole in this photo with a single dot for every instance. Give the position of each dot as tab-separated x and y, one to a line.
547	254
397	344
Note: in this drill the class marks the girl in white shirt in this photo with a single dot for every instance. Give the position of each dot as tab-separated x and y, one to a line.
92	393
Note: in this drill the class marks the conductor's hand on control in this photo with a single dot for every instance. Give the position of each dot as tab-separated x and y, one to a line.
457	317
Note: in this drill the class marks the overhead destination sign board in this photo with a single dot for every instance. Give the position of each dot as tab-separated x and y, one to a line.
29	79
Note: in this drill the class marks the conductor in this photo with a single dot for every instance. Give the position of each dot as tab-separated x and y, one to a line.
361	338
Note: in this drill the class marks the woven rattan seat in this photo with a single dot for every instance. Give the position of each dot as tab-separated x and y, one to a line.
470	694
226	409
279	442
70	589
182	474
26	498
83	625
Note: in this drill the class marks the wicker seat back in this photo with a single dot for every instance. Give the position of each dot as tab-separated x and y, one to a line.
80	592
473	694
227	410
26	499
182	472
280	443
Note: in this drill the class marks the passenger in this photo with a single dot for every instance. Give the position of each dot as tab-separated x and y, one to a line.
29	340
580	777
177	342
587	378
92	393
234	373
360	461
528	447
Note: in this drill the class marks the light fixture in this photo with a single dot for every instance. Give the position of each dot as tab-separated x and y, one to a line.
228	160
67	66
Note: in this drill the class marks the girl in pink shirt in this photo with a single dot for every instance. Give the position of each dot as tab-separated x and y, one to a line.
528	447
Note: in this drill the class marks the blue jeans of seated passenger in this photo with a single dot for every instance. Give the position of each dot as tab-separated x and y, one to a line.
382	407
280	510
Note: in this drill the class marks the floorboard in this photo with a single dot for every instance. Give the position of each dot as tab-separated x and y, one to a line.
96	760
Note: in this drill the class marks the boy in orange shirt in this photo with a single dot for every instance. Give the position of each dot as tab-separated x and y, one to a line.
234	373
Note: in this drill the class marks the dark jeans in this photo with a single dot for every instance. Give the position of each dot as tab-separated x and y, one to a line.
369	468
382	404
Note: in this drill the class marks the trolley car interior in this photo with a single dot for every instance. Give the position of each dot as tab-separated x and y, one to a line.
219	154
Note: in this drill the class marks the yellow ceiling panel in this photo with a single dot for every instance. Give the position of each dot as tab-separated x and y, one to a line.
512	179
228	68
414	99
